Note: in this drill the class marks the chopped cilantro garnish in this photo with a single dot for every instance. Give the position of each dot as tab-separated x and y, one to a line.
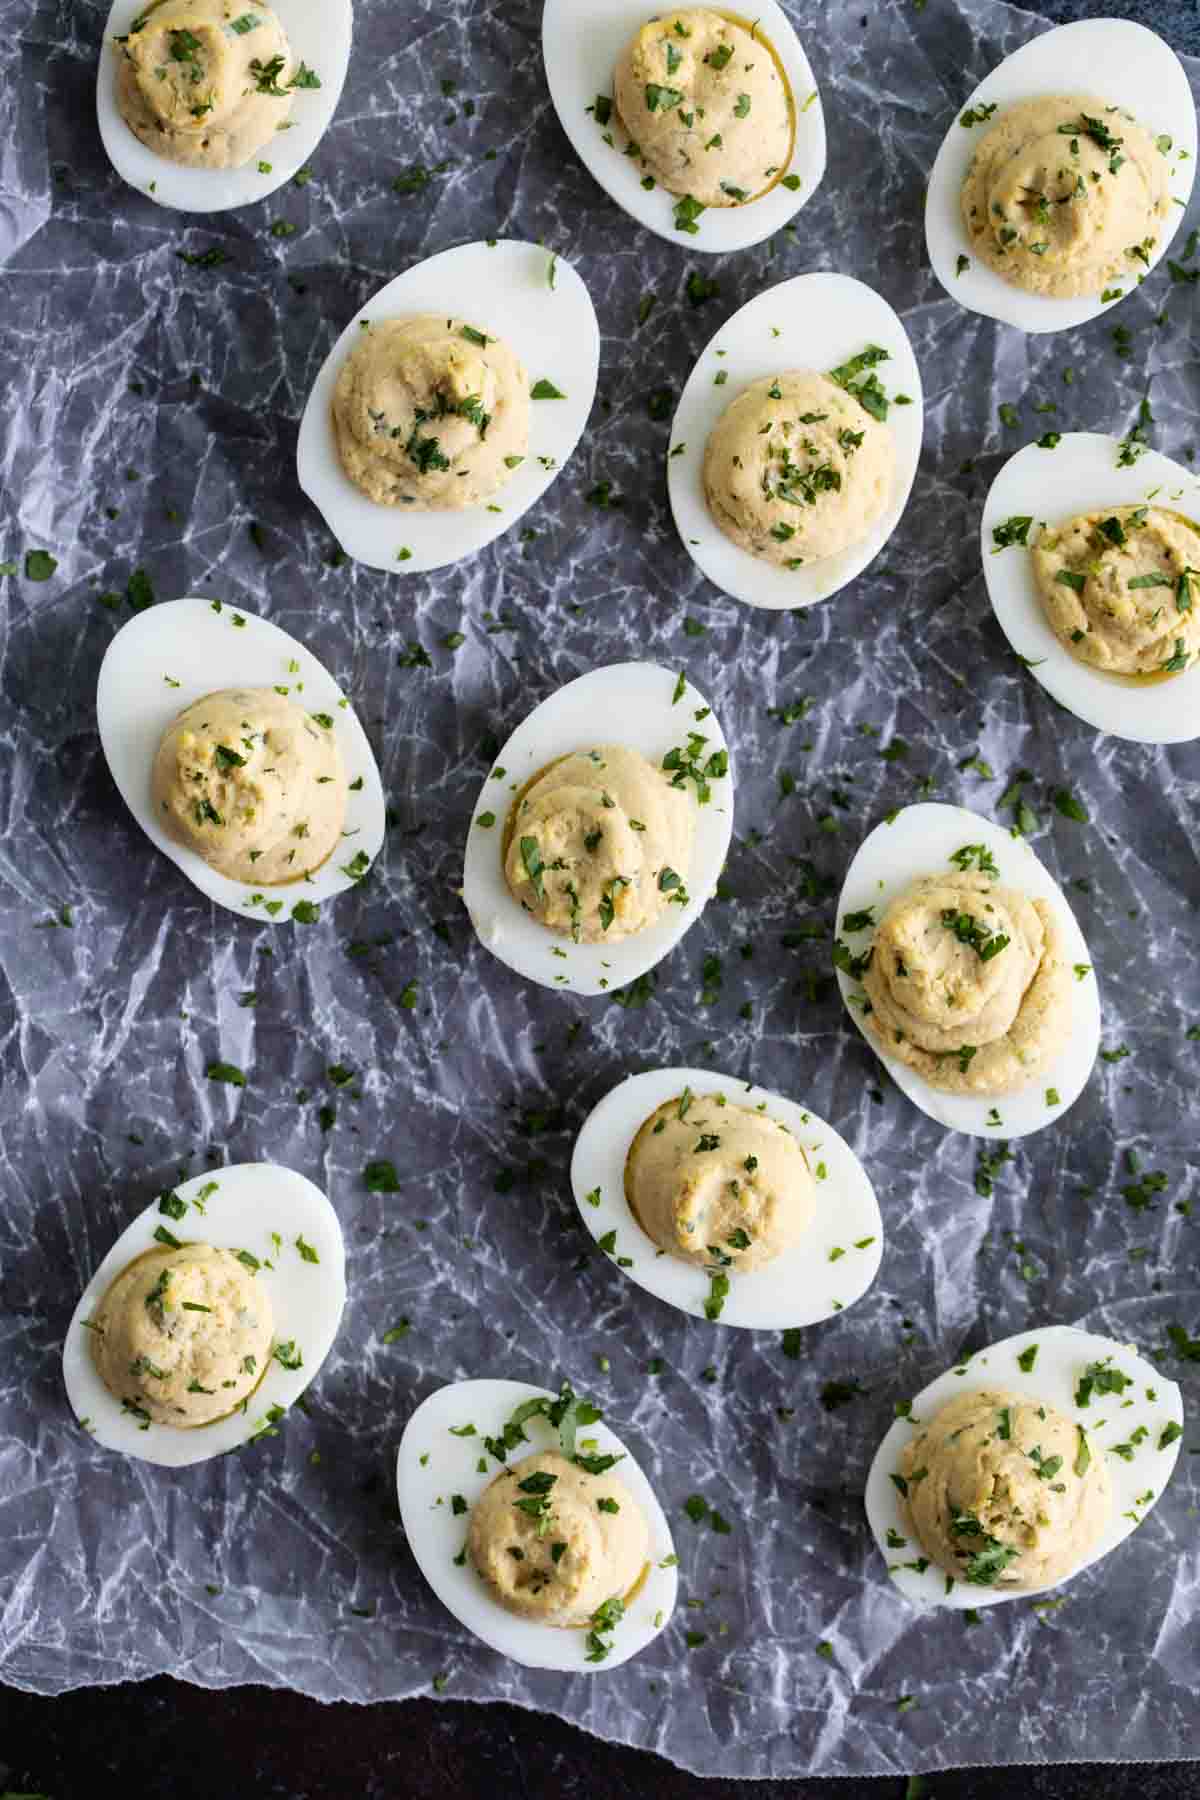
227	1072
39	565
380	1177
687	213
1013	531
1100	1378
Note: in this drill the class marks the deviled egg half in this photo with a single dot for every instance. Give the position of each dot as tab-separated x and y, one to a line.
796	440
449	404
1064	176
726	1200
1091	554
210	104
209	1317
1021	1467
534	1525
602	829
704	125
240	758
961	962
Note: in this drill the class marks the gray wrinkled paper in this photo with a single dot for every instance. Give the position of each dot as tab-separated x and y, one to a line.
170	394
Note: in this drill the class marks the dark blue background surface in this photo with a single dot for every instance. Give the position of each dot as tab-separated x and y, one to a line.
1176	20
163	1741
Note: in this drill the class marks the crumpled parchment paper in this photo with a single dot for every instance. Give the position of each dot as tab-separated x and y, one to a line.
151	419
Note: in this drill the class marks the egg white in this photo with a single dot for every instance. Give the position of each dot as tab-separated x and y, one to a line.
1126	64
813	322
802	1286
319	32
504	290
630	704
249	1201
436	1535
920	841
581	43
177	652
1063	1354
1052	486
